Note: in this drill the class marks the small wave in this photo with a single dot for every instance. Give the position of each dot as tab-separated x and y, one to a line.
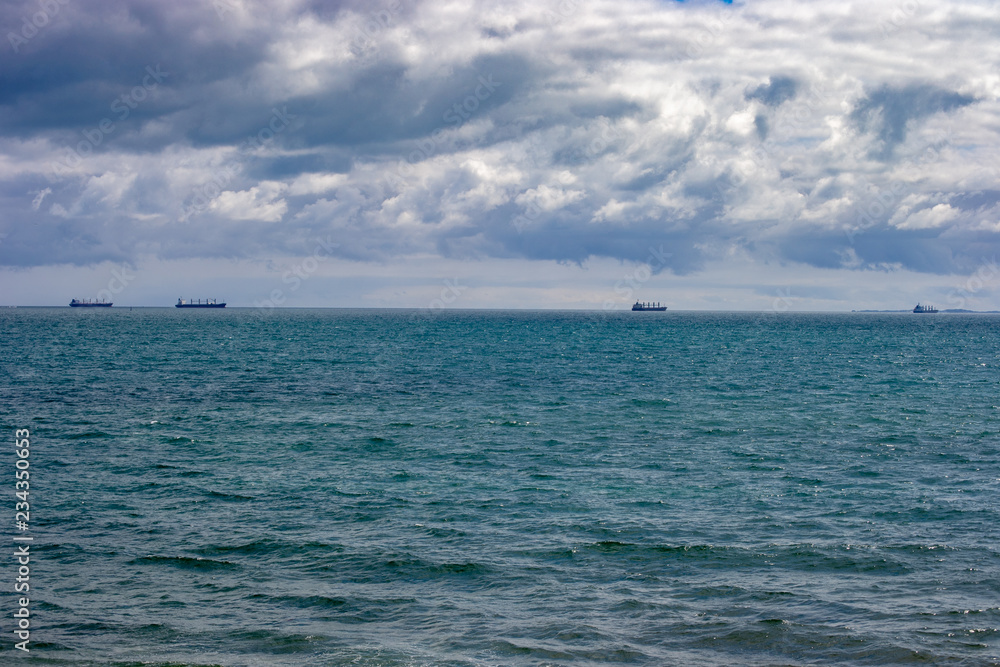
844	558
310	601
272	641
186	562
272	547
231	497
548	555
504	647
415	567
685	550
632	606
255	548
89	435
443	533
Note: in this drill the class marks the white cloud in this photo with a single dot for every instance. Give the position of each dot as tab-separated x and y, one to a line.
37	201
548	198
315	184
929	218
261	202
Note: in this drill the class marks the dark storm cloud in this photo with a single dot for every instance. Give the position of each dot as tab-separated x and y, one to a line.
887	112
972	201
67	76
548	131
884	247
569	243
778	90
760	122
335	162
384	105
772	94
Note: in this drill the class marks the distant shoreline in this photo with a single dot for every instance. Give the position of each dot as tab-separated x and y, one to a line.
962	311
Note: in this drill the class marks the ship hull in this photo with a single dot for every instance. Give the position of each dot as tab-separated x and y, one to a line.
200	305
661	308
90	305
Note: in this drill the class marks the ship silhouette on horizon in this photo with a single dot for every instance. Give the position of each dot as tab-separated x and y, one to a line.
648	305
207	303
85	303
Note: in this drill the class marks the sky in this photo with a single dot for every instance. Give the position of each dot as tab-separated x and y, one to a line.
762	155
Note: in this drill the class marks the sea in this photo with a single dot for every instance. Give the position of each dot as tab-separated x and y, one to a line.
464	488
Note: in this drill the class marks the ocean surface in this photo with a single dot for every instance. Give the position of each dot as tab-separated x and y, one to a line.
364	487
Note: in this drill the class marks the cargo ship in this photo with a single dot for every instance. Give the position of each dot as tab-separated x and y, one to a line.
207	303
77	303
924	309
648	306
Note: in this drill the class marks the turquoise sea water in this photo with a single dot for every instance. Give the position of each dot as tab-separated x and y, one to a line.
334	487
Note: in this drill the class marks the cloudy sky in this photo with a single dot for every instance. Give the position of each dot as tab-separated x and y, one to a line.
758	155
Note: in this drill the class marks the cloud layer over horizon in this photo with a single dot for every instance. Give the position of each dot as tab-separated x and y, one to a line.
851	135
